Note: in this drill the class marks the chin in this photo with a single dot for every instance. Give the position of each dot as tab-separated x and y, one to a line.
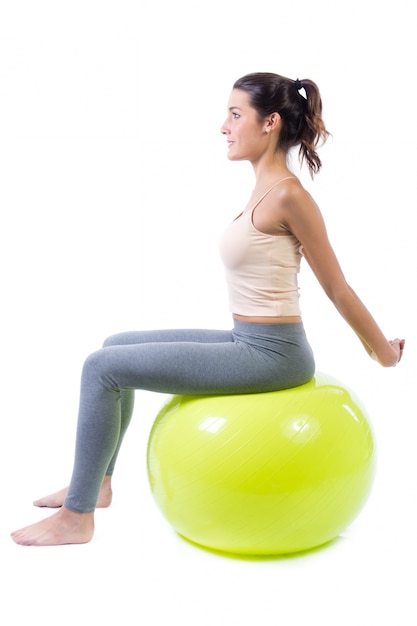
234	157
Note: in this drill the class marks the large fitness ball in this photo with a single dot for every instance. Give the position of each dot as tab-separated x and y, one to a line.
265	473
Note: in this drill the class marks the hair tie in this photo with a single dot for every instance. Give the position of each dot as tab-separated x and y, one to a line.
298	84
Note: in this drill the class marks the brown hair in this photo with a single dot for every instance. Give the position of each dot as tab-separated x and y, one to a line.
301	118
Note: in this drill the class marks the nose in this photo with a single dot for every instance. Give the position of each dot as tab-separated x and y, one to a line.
224	130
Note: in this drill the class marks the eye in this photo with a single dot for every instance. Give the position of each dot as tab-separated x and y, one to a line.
235	115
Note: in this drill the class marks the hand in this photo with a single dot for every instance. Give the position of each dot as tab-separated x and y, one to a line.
398	345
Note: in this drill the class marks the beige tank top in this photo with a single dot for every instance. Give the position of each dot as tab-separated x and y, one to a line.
261	270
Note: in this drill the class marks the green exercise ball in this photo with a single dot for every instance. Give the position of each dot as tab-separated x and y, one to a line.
266	473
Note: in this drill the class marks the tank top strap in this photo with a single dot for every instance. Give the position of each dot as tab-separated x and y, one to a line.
251	209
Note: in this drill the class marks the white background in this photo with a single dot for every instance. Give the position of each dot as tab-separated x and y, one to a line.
114	188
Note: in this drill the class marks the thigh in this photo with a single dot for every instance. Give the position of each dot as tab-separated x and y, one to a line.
181	367
169	336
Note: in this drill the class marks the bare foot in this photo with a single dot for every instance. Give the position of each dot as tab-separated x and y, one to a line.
62	527
56	500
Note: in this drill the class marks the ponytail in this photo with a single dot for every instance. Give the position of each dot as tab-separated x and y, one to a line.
312	131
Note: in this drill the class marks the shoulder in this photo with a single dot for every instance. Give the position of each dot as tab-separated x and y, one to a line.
291	191
295	202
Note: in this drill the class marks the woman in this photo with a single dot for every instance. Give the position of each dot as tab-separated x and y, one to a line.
267	349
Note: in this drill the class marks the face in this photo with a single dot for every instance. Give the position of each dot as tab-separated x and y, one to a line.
244	131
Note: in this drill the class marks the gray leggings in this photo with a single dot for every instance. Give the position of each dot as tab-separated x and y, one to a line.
250	358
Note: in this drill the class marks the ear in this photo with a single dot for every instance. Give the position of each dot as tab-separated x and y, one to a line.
272	122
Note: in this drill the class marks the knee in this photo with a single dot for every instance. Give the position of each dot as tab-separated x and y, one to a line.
94	365
113	340
101	368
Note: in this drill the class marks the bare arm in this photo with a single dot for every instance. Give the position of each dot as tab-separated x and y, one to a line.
303	218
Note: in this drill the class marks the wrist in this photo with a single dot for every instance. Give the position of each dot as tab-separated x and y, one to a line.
390	360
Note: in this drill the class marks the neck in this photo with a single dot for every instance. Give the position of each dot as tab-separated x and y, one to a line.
270	169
